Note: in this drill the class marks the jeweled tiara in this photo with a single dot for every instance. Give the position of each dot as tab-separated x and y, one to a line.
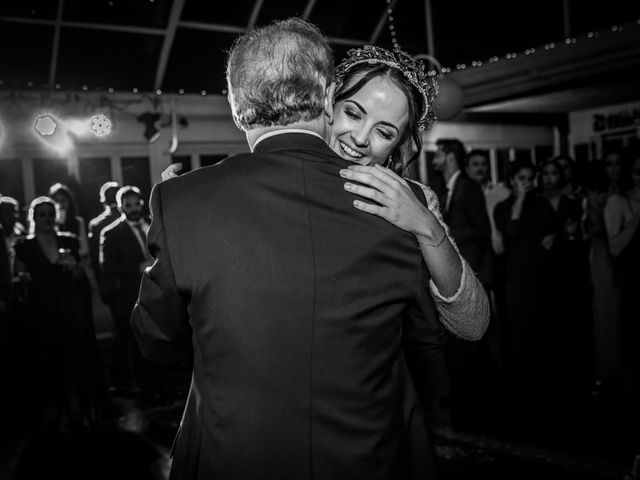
412	69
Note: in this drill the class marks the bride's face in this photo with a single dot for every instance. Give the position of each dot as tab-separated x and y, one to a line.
369	124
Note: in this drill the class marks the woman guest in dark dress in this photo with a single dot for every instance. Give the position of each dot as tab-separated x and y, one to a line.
64	367
565	296
522	227
68	219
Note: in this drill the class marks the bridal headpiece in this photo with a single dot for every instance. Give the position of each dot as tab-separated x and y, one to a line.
412	69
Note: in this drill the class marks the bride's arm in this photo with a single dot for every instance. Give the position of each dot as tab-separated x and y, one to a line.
466	313
459	295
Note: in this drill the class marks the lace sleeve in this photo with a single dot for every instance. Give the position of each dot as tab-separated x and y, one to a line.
465	313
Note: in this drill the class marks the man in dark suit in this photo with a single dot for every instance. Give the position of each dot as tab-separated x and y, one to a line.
464	208
288	299
123	257
465	211
109	215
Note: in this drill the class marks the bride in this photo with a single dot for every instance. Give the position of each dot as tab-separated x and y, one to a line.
383	102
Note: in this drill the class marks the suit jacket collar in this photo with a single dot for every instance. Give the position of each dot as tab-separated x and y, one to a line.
294	141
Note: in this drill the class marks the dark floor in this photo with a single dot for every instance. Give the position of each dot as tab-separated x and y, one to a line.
134	443
578	437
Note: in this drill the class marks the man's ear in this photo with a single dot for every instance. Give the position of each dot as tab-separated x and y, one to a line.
329	99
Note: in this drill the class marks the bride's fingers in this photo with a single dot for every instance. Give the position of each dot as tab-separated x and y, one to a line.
369	208
368	178
366	192
381	173
390	174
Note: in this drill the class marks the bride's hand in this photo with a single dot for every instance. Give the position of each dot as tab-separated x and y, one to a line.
171	171
397	202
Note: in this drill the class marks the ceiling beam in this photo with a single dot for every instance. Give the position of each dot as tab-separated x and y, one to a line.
254	13
308	9
86	25
170	33
55	48
212	27
350	42
381	23
431	49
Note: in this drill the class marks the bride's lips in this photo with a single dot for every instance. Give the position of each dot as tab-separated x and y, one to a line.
350	152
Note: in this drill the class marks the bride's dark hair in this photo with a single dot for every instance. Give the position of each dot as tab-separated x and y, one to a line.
410	143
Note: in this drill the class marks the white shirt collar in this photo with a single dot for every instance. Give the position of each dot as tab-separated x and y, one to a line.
281	131
452	180
133	224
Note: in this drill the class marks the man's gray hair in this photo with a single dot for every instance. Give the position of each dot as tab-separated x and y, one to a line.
277	74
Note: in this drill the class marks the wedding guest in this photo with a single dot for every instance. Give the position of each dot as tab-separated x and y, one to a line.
517	218
603	182
96	225
64	368
622	220
68	219
123	258
566	315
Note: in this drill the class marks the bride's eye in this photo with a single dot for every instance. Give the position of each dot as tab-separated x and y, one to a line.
351	113
384	134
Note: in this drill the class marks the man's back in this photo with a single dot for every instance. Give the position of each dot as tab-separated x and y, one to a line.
295	299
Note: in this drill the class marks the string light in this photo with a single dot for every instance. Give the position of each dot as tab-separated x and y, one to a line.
592	35
392	27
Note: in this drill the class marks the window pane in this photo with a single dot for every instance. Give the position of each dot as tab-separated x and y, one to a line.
47	171
135	171
11	183
185	160
94	172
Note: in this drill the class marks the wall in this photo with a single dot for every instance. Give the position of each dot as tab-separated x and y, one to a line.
593	129
209	130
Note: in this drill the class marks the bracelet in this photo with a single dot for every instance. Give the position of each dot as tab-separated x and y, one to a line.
435	245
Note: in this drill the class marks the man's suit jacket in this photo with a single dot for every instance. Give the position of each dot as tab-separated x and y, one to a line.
291	303
96	225
120	258
470	227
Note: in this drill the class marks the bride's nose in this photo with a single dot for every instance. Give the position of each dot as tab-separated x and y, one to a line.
360	137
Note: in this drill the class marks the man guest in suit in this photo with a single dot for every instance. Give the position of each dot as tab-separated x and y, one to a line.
123	257
109	215
288	300
465	212
464	208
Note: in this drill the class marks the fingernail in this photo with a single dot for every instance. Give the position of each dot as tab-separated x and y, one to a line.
356	203
347	186
345	173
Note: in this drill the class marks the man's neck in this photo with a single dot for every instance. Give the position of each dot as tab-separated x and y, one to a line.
316	126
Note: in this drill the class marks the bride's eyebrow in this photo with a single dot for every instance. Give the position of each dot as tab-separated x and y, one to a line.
361	108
